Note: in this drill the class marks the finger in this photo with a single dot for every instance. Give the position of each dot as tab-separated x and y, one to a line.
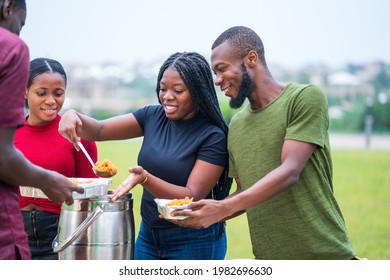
76	146
79	126
195	205
69	201
113	198
136	169
118	192
78	189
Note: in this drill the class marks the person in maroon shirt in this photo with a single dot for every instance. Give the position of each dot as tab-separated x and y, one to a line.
39	140
15	169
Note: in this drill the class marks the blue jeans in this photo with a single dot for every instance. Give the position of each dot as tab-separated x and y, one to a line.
180	243
41	228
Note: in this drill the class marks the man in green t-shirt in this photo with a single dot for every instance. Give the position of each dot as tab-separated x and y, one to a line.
280	157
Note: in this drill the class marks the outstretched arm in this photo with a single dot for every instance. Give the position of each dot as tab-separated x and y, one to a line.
74	125
16	170
294	157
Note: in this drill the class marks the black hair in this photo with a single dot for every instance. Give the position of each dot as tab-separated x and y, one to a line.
20	4
196	73
243	40
41	65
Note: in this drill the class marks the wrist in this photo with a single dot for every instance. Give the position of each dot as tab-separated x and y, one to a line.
146	178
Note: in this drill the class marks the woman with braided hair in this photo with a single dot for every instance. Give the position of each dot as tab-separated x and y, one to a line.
183	154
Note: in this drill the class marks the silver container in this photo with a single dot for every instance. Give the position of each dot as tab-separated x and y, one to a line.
96	229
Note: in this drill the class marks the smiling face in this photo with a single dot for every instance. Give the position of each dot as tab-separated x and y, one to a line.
231	74
45	98
175	96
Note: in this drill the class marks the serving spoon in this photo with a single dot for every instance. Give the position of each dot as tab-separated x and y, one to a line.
102	174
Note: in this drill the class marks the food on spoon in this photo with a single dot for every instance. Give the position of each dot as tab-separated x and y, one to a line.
179	202
105	166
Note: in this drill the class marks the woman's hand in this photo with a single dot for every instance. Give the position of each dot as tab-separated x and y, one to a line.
138	175
70	127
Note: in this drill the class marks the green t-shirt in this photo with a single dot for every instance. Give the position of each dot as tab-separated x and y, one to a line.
304	221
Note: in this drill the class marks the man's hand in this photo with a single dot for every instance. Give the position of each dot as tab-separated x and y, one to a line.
61	189
204	213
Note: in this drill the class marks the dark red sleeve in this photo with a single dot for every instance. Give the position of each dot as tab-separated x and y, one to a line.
14	71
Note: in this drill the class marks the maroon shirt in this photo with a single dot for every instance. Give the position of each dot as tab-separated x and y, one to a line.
14	71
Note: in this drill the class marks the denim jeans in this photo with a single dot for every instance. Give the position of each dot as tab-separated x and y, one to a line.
180	243
41	228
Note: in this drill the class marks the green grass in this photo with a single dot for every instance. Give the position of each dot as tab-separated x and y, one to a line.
362	187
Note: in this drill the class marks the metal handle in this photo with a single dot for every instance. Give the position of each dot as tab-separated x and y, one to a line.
79	230
86	153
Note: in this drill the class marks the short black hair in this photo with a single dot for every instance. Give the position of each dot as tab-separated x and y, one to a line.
243	40
20	4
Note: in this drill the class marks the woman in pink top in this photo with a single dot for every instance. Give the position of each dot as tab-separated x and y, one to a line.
41	143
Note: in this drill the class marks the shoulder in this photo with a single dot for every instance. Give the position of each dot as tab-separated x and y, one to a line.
210	131
149	110
149	114
304	89
12	47
306	94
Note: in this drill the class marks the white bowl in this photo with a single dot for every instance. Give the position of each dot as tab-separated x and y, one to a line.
93	187
166	211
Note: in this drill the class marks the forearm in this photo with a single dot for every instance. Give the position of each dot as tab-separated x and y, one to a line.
163	189
91	128
15	169
239	190
263	190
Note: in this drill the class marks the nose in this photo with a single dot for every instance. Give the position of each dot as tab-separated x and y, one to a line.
50	99
168	95
218	80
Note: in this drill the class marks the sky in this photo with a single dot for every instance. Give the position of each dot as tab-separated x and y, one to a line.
294	32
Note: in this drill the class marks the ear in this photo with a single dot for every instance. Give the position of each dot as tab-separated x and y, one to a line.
6	9
26	94
251	59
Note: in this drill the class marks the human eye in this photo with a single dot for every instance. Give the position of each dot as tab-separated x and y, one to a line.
41	93
59	93
221	69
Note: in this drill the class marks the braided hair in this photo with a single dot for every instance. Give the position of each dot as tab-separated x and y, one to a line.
196	73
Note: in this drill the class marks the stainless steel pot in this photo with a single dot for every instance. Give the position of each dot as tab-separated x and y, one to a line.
96	229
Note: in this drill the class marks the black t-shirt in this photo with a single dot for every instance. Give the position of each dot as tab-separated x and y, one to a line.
170	149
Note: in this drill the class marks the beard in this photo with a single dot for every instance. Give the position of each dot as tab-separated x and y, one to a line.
243	91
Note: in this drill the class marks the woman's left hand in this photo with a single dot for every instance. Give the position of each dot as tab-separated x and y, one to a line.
137	176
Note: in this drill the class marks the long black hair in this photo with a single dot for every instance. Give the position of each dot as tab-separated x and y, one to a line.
196	73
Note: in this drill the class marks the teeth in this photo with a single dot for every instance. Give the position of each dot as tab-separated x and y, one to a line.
225	90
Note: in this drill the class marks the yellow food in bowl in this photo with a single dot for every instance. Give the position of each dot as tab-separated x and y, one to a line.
80	182
179	202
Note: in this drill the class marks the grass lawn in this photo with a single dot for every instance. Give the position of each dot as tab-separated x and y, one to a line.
362	187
